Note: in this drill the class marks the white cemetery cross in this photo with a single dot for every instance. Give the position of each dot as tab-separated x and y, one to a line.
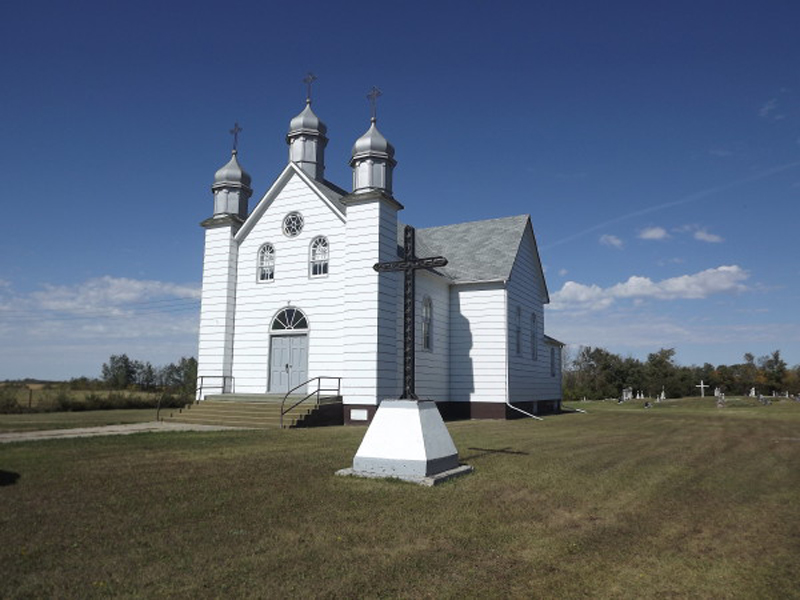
702	387
407	438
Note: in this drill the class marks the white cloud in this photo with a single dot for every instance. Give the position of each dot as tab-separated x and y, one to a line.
705	236
75	324
653	233
768	108
562	272
578	297
611	240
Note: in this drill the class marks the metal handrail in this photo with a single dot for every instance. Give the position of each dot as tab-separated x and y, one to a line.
224	378
309	395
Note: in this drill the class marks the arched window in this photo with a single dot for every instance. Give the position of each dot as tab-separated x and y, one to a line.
289	319
265	271
518	330
534	338
427	323
320	253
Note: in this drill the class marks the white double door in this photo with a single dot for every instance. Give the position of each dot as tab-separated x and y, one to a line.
288	362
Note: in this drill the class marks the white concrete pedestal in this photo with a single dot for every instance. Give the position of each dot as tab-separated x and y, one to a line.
408	440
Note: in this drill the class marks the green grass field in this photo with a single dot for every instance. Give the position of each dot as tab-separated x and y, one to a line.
680	501
70	420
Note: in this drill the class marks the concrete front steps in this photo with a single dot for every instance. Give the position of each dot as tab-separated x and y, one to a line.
258	411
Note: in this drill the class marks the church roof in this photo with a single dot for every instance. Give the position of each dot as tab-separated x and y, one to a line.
476	251
333	193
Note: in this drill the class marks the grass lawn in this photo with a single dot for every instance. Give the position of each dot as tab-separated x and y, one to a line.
69	420
680	501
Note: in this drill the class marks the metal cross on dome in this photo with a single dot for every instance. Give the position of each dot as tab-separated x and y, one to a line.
308	80
373	96
410	264
235	132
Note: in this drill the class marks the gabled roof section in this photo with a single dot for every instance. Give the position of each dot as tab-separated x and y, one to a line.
553	341
540	270
479	251
329	193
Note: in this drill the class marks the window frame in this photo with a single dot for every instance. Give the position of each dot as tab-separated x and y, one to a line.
534	337
300	220
316	262
427	324
261	263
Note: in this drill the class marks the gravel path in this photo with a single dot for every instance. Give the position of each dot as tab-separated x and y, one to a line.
53	434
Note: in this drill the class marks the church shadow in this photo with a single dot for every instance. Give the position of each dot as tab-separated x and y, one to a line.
8	478
462	375
481	452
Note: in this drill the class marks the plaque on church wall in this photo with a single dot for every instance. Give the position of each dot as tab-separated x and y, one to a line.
358	414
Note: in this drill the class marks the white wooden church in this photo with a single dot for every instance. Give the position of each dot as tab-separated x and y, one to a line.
289	293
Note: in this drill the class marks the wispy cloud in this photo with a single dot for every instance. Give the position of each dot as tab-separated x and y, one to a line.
66	324
693	197
705	236
768	107
611	240
768	110
579	297
562	272
653	233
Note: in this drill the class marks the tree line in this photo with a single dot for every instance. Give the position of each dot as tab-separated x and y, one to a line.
596	373
121	372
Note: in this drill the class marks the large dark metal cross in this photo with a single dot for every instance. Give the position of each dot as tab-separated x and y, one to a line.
410	264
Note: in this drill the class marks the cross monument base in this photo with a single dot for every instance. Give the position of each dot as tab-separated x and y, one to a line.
407	440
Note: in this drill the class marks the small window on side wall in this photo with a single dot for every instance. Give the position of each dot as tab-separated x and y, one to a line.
534	339
265	272
320	255
552	361
427	323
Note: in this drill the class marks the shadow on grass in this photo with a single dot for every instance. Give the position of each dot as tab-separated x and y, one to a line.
8	478
486	451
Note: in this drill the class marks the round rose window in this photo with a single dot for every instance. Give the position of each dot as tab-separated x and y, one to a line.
292	224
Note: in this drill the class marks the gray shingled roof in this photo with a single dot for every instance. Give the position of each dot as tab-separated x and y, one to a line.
476	251
332	192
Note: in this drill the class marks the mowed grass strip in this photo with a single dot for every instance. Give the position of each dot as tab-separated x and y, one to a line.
71	420
617	503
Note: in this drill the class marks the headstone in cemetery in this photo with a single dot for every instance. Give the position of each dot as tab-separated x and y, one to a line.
702	387
752	392
407	438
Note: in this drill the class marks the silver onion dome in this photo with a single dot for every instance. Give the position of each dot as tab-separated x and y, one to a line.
307	122
232	174
372	143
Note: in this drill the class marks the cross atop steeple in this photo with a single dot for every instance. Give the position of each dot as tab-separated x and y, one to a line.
373	96
308	80
235	132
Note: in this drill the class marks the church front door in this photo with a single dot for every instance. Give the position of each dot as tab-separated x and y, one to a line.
288	362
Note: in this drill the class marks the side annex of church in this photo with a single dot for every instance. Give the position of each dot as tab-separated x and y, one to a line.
290	294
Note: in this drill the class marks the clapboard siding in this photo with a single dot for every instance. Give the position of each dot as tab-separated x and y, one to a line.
215	340
432	366
319	298
528	372
370	319
477	343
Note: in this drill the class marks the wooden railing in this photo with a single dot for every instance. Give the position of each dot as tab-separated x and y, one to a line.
317	392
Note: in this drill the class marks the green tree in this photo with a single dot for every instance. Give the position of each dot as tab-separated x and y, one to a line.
119	372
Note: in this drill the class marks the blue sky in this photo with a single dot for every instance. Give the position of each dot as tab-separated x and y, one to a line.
655	145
